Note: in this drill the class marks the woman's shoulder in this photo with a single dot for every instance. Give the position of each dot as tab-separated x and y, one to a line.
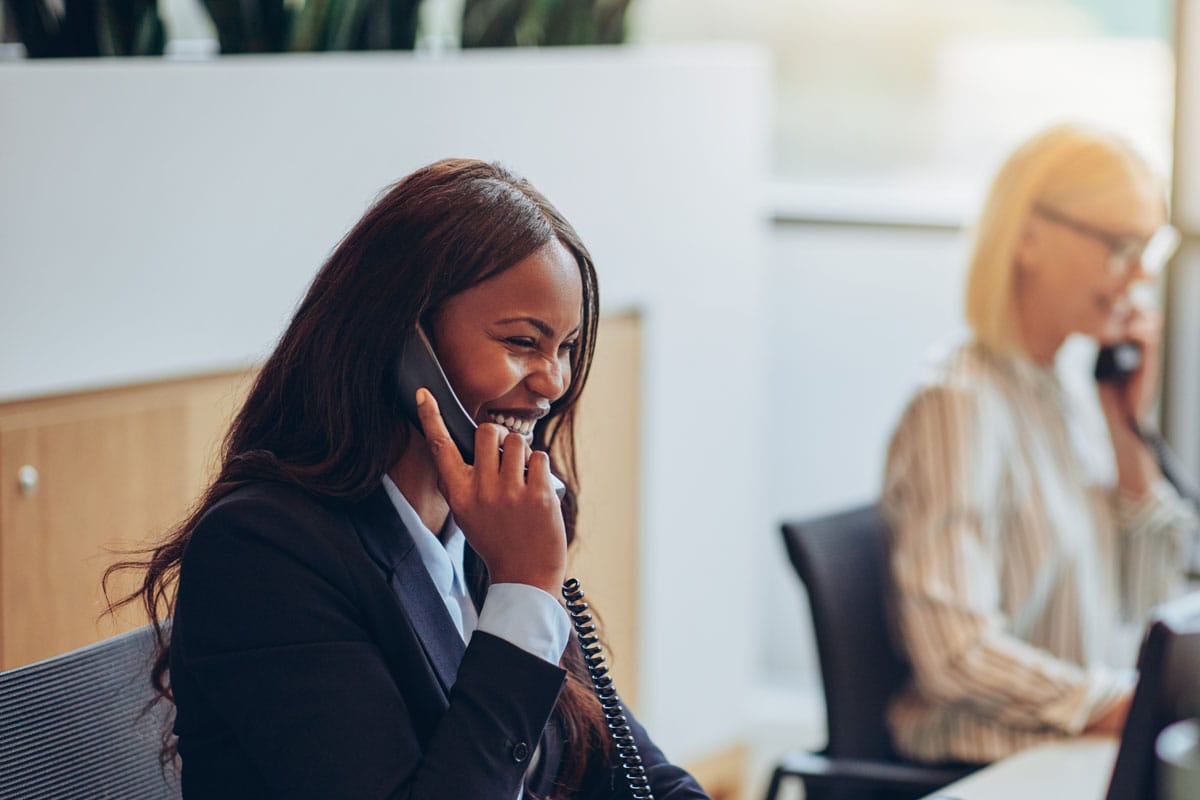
962	366
954	374
275	495
274	514
962	389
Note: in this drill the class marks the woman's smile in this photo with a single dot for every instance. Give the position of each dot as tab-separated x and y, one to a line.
519	422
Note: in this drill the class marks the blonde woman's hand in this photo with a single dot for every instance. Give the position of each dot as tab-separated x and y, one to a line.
1134	398
504	503
1112	721
1129	403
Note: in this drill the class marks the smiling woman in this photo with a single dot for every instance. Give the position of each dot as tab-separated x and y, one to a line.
359	611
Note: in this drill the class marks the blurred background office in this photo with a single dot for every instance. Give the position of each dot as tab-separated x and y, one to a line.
775	192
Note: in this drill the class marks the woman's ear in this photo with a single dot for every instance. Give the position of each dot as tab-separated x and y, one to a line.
1028	250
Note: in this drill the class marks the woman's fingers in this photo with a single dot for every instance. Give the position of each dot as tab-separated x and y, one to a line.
1144	327
514	524
453	471
512	463
488	437
538	471
498	452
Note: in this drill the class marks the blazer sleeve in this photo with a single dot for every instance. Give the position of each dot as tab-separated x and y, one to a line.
270	635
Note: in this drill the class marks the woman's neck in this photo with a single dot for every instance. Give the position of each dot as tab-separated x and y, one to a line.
415	475
1040	337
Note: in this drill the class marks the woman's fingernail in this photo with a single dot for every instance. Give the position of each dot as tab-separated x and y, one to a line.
422	396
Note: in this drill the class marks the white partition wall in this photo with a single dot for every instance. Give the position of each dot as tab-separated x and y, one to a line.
853	312
161	218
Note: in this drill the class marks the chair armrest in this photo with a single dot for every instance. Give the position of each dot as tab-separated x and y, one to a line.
818	770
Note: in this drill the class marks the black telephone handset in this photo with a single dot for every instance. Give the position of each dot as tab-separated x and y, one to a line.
418	367
1115	363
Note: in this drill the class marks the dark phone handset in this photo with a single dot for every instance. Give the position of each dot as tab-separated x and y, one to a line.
418	366
1115	363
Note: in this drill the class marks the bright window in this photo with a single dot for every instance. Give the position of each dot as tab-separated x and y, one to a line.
894	92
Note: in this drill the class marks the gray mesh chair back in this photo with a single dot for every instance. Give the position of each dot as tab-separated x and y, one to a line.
77	726
840	559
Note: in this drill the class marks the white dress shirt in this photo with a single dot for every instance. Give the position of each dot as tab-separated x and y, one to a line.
1021	576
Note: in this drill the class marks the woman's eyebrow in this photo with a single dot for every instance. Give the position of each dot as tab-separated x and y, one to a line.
542	327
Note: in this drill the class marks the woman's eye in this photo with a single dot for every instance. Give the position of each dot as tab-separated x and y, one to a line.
521	341
568	347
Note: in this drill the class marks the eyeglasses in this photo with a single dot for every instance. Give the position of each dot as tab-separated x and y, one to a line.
1125	252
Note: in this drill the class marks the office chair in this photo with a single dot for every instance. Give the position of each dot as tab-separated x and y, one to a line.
78	725
840	560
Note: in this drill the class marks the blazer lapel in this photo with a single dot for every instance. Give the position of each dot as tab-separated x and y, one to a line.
391	546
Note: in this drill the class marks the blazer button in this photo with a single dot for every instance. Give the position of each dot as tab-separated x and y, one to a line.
520	752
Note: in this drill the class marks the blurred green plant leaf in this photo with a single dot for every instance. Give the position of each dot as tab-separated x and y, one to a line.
74	28
277	26
509	23
83	28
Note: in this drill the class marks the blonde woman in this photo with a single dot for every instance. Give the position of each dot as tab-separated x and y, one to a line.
1021	542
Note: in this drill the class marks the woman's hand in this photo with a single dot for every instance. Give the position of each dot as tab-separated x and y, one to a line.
504	503
1128	403
1135	397
1112	721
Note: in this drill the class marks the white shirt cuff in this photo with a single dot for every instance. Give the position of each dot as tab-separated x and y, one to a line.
527	617
1161	506
1100	693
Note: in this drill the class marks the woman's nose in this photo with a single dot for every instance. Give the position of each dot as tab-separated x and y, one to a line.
549	379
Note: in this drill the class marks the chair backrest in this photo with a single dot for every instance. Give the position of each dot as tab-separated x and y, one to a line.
841	560
78	725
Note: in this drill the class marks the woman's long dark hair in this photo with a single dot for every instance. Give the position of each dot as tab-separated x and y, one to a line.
323	412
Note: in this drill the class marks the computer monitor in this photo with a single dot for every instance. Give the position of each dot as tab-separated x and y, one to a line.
1168	690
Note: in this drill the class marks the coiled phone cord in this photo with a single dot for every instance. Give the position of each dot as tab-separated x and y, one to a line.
602	683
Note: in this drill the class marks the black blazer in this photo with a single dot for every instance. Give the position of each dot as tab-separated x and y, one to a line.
298	672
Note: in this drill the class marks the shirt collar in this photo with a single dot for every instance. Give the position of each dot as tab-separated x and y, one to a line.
443	558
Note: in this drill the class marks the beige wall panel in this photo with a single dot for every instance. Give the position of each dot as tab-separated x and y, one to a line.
116	468
605	558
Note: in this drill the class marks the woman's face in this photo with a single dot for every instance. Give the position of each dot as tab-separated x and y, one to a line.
506	343
1069	270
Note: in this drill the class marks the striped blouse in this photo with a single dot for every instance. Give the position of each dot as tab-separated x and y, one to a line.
1020	576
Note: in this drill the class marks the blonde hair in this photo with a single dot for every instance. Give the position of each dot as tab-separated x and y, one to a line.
1054	168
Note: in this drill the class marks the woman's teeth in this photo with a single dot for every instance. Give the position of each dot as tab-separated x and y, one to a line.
524	427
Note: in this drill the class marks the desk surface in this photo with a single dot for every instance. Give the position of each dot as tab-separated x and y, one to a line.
1073	769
